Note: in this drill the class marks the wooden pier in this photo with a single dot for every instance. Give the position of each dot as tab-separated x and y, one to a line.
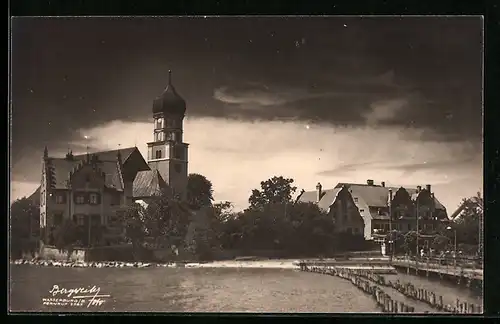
370	283
471	277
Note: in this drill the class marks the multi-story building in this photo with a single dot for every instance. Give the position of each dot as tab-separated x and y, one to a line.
375	204
339	205
90	188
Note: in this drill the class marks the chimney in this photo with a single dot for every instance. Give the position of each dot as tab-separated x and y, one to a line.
369	182
383	183
419	188
390	197
428	187
318	192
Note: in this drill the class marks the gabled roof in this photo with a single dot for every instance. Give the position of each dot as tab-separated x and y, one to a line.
109	155
327	198
377	196
58	170
147	184
35	197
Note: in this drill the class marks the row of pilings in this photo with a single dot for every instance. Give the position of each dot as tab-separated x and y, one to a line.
384	301
363	279
429	297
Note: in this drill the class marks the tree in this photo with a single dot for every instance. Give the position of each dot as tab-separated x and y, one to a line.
24	225
467	222
410	242
223	211
440	242
275	190
167	220
133	219
199	191
66	236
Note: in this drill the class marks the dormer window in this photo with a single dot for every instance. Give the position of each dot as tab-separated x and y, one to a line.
356	199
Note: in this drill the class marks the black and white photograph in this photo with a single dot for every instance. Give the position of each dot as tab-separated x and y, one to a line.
246	164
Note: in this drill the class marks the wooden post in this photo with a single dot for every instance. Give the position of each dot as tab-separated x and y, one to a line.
440	301
457	304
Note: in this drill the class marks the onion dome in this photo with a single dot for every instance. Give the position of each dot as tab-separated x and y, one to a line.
169	102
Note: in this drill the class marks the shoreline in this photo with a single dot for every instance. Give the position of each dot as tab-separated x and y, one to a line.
283	264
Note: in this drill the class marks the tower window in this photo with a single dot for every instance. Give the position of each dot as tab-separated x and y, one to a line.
158	154
159	136
159	123
178	152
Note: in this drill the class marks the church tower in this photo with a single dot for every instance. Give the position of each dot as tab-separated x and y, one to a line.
168	153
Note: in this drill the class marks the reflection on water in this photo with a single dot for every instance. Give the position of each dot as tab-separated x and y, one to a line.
191	290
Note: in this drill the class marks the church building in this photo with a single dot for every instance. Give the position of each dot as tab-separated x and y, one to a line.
90	188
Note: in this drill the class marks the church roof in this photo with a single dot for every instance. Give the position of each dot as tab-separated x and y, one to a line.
148	183
169	101
109	155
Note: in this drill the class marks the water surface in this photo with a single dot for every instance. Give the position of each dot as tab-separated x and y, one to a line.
191	290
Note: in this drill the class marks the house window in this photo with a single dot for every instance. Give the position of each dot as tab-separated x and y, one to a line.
94	199
115	199
409	227
58	218
355	199
59	198
158	154
79	219
79	199
401	214
159	123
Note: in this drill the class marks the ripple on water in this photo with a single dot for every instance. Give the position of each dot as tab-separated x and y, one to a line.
193	290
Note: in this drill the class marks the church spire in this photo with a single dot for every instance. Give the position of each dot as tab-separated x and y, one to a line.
45	153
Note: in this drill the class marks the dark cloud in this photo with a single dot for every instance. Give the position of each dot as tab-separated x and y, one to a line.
406	168
75	73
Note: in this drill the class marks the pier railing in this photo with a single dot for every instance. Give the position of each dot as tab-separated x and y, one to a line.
456	268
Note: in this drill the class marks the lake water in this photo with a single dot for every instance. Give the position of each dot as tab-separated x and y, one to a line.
195	290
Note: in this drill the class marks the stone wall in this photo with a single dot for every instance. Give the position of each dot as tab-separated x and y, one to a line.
50	253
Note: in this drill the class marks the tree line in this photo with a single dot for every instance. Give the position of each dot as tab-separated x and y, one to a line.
272	221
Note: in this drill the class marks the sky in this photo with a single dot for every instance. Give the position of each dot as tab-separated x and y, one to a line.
316	99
